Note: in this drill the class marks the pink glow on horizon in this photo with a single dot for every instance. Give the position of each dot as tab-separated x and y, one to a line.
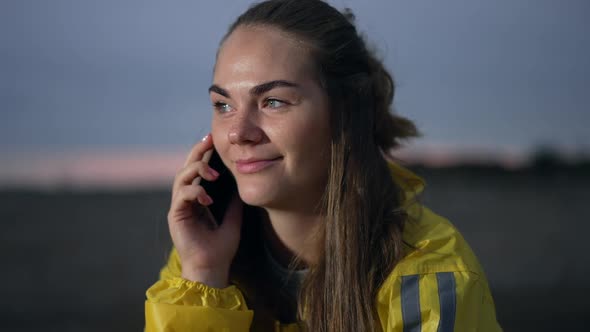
445	155
136	169
97	169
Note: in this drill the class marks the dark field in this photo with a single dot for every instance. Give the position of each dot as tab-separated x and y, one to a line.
82	261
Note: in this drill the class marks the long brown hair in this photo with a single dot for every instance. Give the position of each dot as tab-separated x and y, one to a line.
362	232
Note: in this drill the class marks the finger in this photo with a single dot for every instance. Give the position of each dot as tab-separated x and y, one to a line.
189	195
210	171
199	149
192	172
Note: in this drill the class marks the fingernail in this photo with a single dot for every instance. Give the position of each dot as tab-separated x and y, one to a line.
208	200
213	172
205	138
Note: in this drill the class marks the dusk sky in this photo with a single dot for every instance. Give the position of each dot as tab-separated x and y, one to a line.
122	82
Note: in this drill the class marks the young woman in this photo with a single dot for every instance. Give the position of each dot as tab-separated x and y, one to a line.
324	232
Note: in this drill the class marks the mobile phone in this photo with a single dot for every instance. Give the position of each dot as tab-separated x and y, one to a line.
221	190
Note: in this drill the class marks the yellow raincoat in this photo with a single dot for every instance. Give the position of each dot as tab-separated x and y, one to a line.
439	286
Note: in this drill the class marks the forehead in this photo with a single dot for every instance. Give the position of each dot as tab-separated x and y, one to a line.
257	54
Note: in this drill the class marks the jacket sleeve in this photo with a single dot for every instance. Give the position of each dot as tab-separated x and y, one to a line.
438	302
176	304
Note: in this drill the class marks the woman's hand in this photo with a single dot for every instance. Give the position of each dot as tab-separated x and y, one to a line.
205	251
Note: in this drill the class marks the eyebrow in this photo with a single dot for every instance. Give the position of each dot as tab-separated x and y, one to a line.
219	90
257	90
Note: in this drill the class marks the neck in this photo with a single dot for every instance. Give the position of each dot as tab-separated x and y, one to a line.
291	234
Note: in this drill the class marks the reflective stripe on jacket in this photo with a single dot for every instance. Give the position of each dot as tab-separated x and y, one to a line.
439	286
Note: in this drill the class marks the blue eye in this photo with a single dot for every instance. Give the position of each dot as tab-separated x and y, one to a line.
274	103
221	107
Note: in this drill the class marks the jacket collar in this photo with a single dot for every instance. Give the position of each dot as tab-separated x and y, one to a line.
410	183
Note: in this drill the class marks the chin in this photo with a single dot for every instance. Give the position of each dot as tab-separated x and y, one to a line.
257	195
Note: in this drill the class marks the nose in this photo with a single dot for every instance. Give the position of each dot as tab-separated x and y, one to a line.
245	129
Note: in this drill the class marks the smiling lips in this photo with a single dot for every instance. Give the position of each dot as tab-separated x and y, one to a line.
252	165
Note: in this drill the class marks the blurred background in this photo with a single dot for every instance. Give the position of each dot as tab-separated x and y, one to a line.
100	101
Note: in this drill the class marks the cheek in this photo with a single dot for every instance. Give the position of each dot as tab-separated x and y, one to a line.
220	141
313	130
305	138
219	130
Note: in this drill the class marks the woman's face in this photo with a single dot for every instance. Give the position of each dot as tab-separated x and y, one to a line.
271	119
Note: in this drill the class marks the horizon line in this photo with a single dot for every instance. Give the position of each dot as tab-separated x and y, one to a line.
143	168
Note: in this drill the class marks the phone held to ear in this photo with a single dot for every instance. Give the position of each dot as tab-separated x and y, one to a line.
222	189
